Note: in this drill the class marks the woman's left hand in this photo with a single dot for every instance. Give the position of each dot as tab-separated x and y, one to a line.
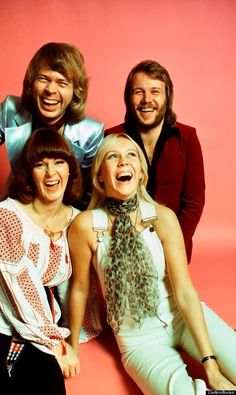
68	359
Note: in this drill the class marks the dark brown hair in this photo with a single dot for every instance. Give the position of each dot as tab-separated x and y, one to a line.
67	60
156	71
44	143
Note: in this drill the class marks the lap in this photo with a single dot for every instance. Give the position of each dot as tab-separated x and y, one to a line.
34	372
223	341
158	369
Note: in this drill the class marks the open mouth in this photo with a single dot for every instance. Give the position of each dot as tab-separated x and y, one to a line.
124	177
50	102
51	183
147	109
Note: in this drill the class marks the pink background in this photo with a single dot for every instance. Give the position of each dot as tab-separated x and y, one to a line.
195	41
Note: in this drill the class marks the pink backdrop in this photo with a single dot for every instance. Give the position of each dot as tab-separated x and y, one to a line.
195	40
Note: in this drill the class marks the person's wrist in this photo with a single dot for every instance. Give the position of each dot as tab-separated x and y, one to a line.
73	342
208	358
211	367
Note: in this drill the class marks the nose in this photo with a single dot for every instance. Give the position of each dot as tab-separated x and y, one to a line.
123	161
50	169
51	87
147	97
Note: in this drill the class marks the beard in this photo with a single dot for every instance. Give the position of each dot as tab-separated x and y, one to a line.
146	126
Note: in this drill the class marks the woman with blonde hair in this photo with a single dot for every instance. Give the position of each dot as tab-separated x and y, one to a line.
137	249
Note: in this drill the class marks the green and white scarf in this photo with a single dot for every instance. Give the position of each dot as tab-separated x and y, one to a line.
130	275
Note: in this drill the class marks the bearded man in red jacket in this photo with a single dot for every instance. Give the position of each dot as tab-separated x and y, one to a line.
172	149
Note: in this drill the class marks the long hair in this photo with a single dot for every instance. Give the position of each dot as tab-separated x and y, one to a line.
44	143
98	191
67	60
156	71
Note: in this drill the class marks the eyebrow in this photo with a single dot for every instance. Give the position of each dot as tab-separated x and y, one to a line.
116	151
58	79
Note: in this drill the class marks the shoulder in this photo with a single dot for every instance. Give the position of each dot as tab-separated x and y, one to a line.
12	103
185	128
86	131
116	129
10	215
164	213
82	222
81	234
91	123
8	204
13	112
186	132
166	222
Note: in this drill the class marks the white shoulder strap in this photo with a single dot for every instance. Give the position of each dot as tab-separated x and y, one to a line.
148	211
100	220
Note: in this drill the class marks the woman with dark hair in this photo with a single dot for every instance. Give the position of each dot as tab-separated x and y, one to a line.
137	249
35	261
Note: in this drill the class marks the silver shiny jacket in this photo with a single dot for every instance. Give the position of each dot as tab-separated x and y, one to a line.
16	126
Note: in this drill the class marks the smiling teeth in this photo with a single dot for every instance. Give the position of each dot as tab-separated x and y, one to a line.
53	102
52	183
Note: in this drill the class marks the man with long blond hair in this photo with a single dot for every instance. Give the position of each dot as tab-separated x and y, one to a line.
54	94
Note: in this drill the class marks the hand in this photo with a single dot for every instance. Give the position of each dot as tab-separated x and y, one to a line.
216	379
68	360
220	382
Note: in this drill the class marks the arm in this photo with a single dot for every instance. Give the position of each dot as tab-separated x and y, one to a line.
23	299
2	123
81	255
193	192
185	293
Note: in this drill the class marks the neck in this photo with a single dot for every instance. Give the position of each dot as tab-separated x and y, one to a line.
150	138
118	206
57	125
47	210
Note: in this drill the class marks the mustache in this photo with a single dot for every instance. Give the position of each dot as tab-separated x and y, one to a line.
147	106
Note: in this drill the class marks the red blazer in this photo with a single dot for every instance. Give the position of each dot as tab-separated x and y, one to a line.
178	177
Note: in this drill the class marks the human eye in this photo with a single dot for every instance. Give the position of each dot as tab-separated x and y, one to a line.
112	155
39	165
42	78
132	154
63	83
60	162
137	91
155	91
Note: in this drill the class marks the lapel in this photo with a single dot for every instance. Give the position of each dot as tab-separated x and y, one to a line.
73	134
15	140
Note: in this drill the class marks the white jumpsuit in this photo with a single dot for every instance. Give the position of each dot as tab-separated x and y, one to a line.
149	353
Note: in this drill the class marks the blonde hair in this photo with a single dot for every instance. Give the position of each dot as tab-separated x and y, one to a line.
67	60
98	191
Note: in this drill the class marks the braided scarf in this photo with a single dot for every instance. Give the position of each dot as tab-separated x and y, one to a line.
129	273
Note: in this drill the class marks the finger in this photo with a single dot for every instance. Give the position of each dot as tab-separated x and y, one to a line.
66	371
74	369
77	368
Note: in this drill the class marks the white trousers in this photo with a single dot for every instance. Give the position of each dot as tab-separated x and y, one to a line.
151	358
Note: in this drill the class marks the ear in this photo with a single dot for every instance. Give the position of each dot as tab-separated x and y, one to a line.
141	176
100	178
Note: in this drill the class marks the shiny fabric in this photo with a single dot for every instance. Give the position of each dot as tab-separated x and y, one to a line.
16	126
